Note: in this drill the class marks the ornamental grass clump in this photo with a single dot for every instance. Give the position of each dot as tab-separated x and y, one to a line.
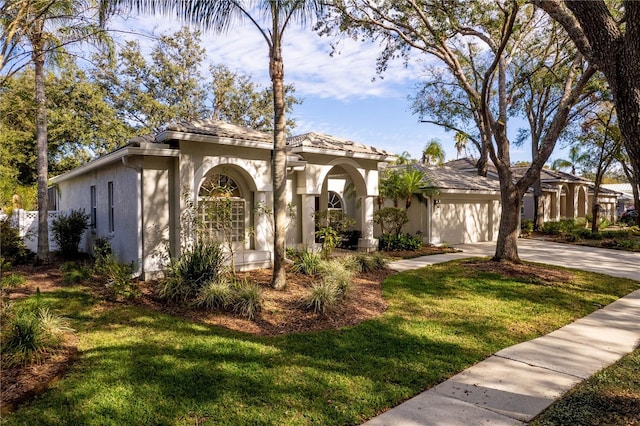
215	295
29	334
323	298
336	273
307	263
247	300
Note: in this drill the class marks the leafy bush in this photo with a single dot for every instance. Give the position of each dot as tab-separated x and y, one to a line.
391	219
526	226
561	227
215	295
196	266
247	299
67	232
73	273
30	334
323	298
392	242
118	275
14	251
370	262
12	281
329	238
307	263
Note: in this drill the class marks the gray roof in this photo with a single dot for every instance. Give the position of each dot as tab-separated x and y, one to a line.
322	141
444	177
221	129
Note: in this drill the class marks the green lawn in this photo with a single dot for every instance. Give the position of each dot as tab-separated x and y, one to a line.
142	367
610	397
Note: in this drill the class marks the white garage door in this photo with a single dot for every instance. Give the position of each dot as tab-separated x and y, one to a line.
463	222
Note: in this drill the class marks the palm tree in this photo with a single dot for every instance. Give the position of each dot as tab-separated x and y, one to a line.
575	159
433	153
46	25
411	181
461	142
404	158
219	15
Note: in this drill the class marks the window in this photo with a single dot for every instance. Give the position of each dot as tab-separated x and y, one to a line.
94	207
112	225
335	202
222	209
52	195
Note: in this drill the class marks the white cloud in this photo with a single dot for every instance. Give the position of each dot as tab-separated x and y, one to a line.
308	63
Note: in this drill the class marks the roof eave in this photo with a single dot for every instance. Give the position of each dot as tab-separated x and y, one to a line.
168	135
367	156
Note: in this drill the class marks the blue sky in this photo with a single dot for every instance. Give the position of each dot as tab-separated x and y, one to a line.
343	96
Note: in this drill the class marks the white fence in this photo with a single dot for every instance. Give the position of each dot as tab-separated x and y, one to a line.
26	222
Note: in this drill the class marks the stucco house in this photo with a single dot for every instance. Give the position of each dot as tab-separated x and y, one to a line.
138	195
457	207
565	196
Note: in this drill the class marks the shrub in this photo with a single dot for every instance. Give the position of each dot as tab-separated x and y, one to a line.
391	219
14	251
370	262
526	226
12	281
118	275
67	231
393	242
215	295
323	298
196	266
561	227
247	299
73	273
335	272
30	334
307	263
329	238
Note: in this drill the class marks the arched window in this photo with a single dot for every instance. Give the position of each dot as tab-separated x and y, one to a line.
335	202
221	208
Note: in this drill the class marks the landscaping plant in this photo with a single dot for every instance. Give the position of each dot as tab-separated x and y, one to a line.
67	232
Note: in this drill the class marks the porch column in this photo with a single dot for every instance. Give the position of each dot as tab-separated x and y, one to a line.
572	202
557	208
367	242
263	227
307	221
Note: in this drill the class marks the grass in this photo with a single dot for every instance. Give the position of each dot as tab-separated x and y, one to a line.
610	397
143	367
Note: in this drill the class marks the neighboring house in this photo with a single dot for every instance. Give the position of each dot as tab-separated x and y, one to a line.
140	196
457	207
625	200
565	195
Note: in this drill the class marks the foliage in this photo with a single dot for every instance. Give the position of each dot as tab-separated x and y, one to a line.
333	227
560	227
433	153
119	276
247	300
397	242
335	272
14	251
330	239
402	183
323	298
391	220
307	263
203	262
526	226
11	281
217	294
67	231
370	262
29	334
73	273
440	320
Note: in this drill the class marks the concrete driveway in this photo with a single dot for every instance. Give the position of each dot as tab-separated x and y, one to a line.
617	263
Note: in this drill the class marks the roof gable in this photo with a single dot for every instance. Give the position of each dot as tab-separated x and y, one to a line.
326	142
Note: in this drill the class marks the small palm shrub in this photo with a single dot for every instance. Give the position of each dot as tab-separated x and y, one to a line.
29	334
119	276
323	298
215	295
67	232
247	299
307	263
202	263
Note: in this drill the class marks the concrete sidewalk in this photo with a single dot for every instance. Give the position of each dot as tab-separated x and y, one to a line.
517	383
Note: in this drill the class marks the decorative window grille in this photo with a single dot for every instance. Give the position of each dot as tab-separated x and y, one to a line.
221	209
335	202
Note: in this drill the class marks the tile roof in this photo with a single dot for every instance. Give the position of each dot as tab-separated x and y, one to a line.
221	129
332	143
445	177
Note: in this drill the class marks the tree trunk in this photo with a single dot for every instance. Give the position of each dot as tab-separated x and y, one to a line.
507	244
279	166
37	41
538	201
